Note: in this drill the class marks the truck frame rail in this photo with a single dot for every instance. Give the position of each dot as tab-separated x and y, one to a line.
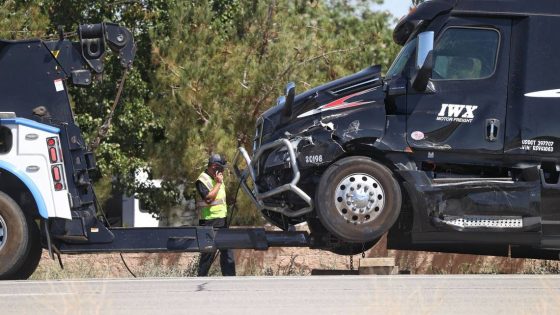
189	239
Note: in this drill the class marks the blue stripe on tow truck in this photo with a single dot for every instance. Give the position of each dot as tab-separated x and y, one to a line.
30	123
30	185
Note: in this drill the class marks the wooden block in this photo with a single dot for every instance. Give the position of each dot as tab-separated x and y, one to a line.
377	262
378	266
387	270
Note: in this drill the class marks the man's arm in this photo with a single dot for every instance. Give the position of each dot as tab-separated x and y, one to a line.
214	192
202	189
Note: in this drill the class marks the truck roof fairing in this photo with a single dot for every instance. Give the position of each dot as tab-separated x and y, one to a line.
426	11
431	9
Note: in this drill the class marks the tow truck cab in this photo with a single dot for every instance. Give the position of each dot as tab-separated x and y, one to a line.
456	149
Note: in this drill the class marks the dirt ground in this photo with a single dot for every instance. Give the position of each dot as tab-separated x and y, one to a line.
281	261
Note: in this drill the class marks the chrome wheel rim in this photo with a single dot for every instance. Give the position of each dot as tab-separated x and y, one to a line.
3	232
359	198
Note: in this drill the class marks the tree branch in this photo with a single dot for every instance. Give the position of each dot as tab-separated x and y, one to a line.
271	88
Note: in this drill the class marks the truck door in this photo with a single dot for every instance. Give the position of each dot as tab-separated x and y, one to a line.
464	108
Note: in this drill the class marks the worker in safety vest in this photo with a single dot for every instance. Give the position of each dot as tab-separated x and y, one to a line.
213	212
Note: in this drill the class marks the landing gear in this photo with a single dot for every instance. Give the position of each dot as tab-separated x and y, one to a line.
358	200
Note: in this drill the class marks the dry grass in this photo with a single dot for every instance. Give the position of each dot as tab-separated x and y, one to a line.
162	265
280	262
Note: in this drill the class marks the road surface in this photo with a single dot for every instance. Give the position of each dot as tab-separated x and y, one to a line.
509	294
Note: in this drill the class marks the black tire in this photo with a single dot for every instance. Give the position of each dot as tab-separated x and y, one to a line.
35	252
20	244
381	209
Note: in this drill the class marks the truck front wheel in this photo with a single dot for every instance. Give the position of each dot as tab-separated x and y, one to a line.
20	247
357	199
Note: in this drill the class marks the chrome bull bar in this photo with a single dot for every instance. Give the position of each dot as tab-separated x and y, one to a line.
258	197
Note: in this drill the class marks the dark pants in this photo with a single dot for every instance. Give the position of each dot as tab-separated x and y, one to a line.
227	262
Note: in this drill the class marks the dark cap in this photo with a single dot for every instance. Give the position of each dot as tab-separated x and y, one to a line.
217	159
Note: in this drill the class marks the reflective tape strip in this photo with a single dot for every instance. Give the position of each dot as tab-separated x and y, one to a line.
206	180
213	203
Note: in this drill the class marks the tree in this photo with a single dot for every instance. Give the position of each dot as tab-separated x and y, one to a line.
221	71
17	22
124	150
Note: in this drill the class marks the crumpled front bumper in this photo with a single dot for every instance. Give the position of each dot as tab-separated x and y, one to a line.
258	197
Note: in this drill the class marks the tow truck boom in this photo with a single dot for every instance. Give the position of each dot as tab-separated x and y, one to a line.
79	59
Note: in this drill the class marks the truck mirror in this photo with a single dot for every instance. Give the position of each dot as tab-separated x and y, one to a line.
424	61
424	46
422	78
280	100
289	99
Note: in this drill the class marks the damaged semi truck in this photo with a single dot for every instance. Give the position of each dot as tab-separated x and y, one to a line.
456	149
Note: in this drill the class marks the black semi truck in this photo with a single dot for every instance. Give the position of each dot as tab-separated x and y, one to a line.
456	149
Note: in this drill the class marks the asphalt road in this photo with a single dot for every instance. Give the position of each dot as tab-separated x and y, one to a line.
288	295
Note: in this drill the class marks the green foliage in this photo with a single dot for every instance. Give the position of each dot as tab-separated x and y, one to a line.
218	72
18	21
124	150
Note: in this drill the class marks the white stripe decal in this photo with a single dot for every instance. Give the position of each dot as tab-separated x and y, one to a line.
547	93
339	104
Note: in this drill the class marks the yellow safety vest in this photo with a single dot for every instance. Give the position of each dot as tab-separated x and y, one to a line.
217	208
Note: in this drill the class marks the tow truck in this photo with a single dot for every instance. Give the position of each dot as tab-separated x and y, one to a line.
46	194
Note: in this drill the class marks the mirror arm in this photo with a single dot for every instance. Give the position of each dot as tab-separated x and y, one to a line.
423	75
289	99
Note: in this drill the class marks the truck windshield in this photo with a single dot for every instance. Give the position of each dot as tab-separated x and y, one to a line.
402	59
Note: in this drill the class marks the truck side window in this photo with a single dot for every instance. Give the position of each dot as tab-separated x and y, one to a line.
402	59
466	54
5	140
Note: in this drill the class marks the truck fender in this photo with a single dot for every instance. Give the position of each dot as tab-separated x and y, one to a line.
336	136
35	192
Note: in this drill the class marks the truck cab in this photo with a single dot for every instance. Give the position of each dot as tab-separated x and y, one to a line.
454	149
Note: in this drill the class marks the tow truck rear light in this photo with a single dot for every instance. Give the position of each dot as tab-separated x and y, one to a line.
55	156
52	155
58	186
56	174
